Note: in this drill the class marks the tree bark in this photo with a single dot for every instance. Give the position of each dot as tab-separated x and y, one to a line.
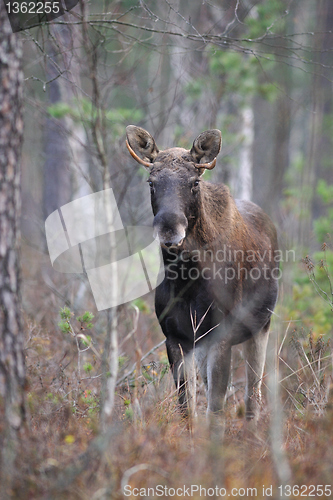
322	104
12	370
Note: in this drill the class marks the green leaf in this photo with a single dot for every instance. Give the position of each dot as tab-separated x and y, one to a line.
65	313
325	191
85	320
59	110
87	367
64	327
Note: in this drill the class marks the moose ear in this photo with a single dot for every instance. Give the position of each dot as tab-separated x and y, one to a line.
206	146
141	145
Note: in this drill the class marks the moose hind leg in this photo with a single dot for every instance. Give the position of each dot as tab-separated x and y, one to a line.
218	370
184	375
254	351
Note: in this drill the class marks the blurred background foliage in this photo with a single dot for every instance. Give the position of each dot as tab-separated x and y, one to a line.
260	71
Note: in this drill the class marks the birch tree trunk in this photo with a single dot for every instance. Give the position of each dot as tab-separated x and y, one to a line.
245	168
12	371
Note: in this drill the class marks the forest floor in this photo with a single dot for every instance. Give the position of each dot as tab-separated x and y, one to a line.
148	451
150	446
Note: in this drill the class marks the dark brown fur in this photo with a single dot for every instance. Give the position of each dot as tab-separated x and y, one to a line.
196	221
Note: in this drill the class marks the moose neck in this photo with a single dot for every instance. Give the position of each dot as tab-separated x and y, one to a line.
218	221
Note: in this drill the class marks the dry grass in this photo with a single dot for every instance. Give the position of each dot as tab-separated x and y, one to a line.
63	422
64	457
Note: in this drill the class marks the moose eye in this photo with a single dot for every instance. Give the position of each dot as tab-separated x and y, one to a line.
195	186
151	185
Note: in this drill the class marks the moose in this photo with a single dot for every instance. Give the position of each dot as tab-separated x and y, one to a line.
221	277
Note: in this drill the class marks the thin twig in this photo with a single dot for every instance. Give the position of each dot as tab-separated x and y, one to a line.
131	371
301	369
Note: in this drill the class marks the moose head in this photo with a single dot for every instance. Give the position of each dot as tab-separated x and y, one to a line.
174	180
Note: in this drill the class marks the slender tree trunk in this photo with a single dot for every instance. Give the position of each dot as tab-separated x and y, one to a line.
70	60
319	144
12	372
57	188
280	161
272	137
99	136
246	167
264	130
323	105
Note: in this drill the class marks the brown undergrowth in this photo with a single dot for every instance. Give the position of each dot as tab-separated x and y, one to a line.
151	446
63	454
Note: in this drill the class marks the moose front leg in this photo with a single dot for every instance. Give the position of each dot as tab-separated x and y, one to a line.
218	370
182	365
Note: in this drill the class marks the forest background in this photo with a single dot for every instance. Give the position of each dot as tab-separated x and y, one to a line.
261	72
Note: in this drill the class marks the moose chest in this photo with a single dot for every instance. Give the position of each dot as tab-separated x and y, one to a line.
185	304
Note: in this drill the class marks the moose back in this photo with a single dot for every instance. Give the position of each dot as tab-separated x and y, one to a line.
221	275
